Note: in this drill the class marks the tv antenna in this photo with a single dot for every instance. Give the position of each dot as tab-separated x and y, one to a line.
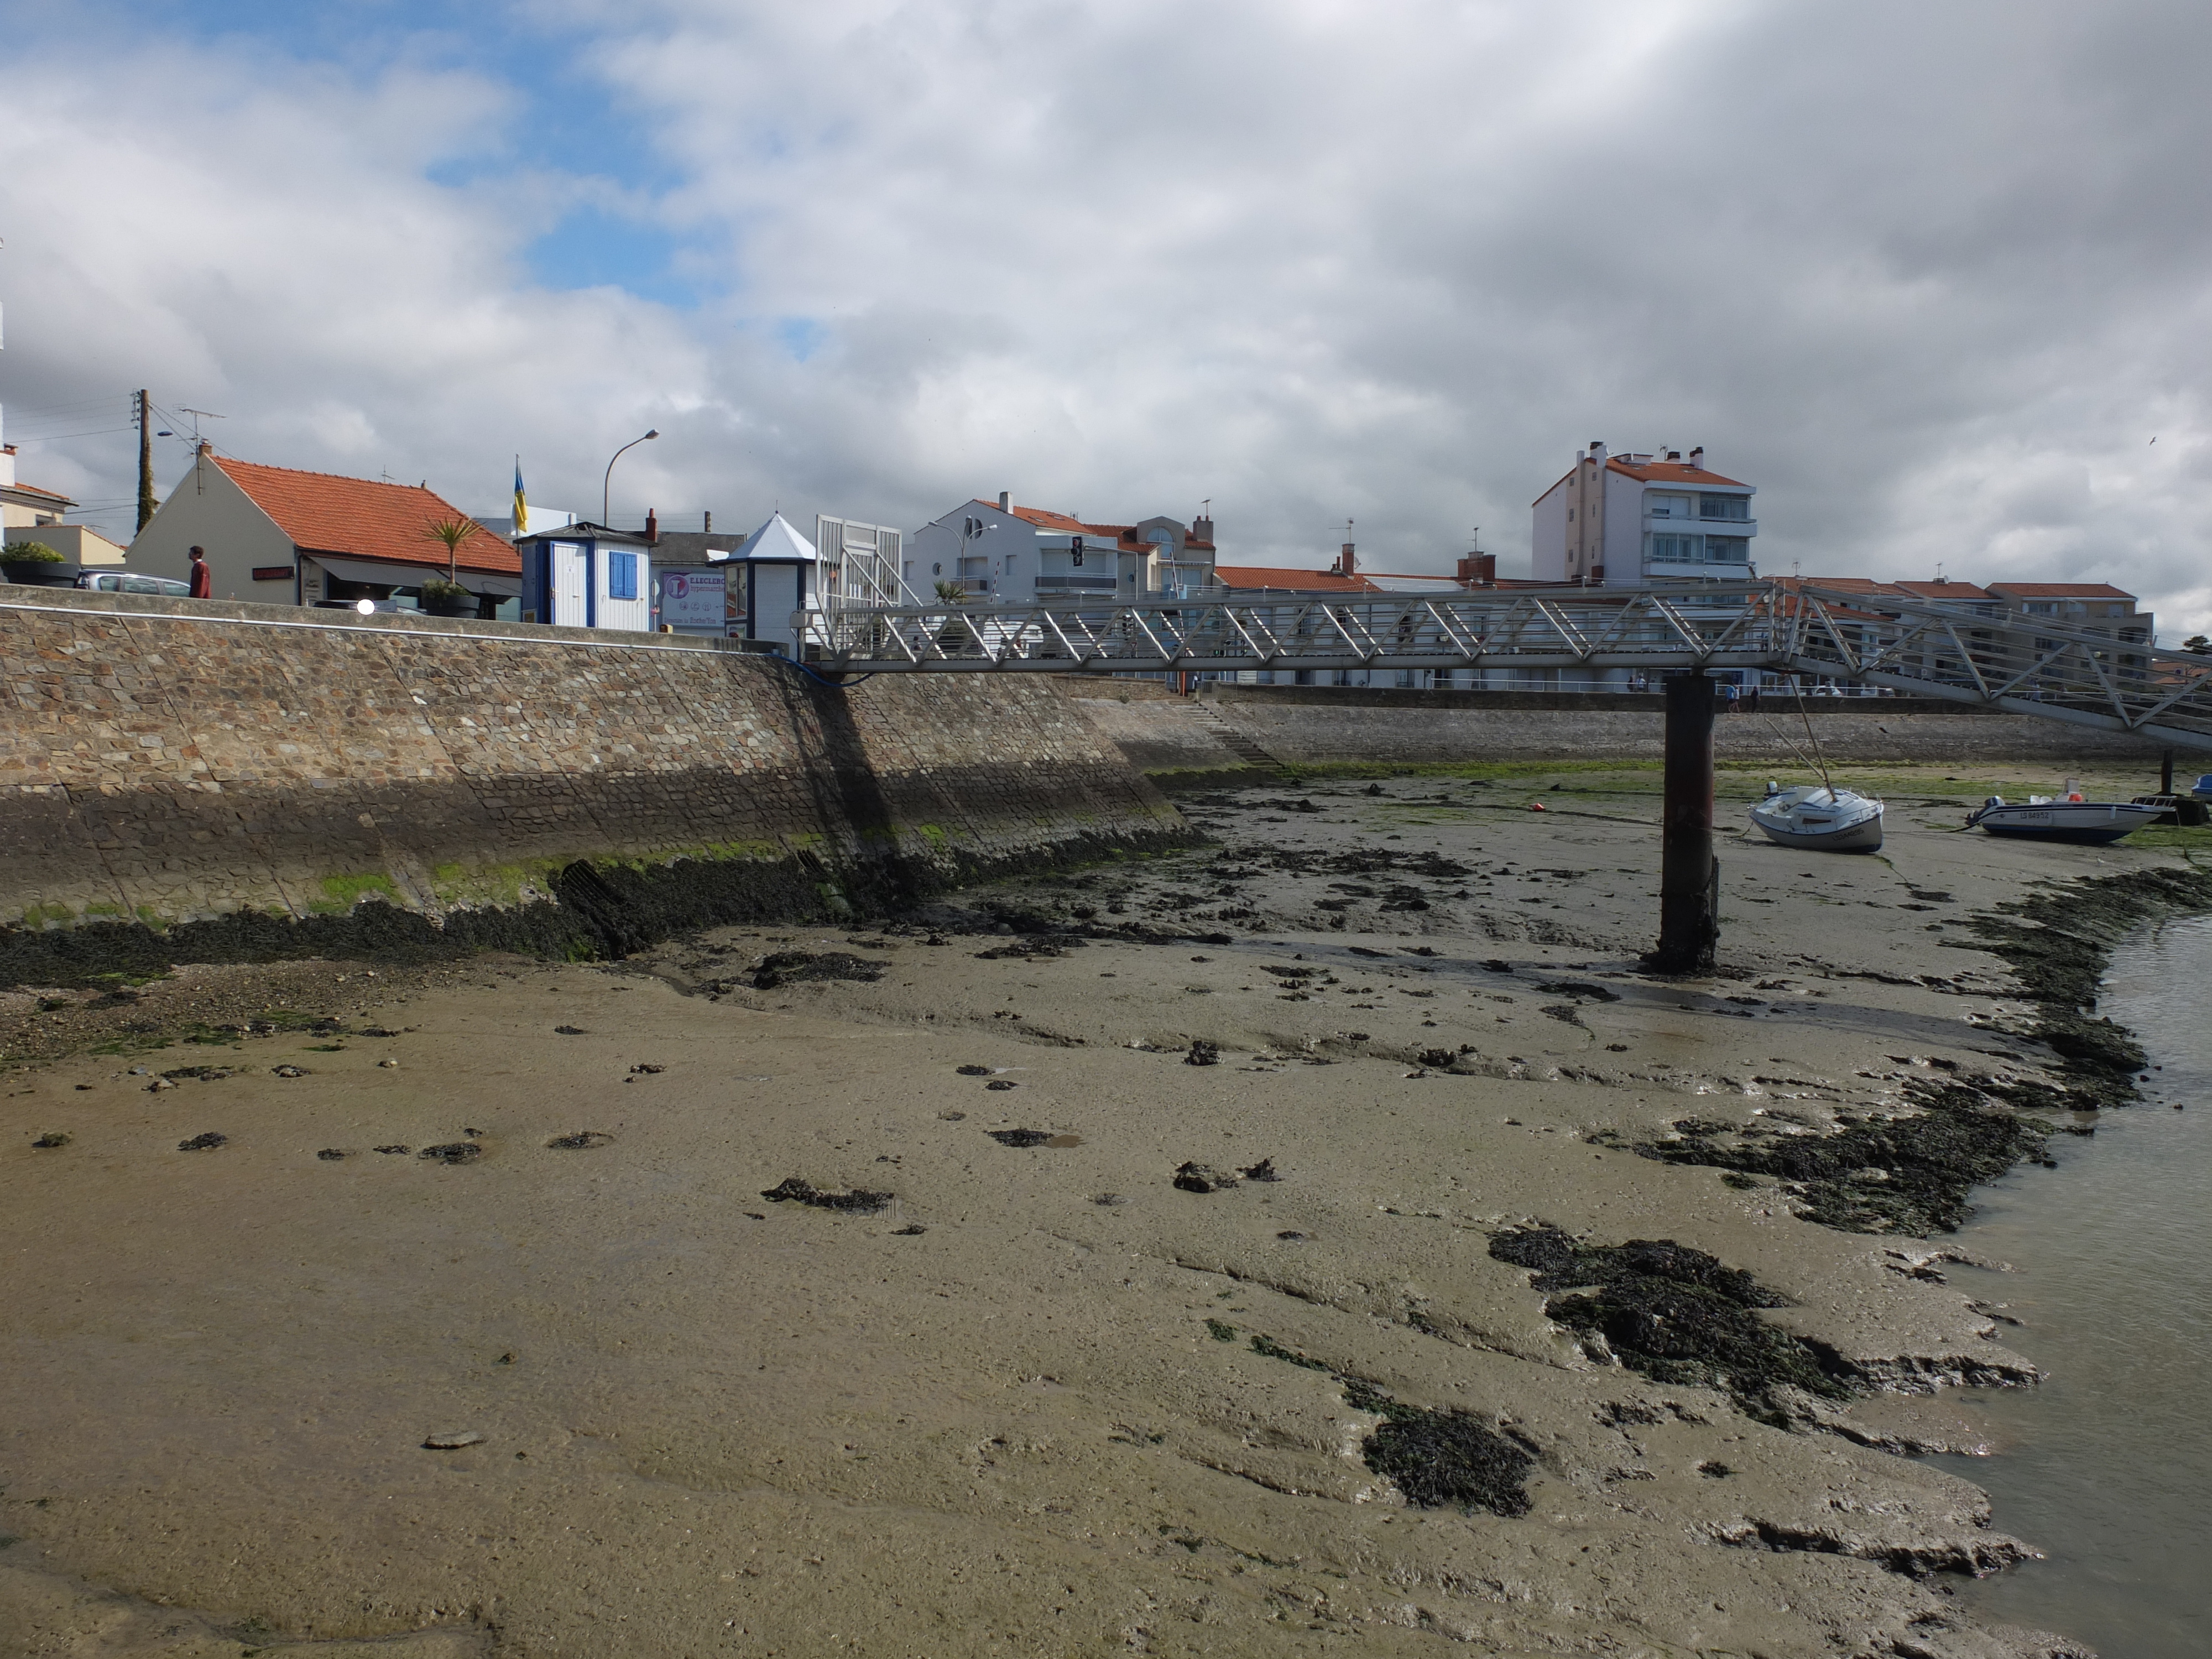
199	415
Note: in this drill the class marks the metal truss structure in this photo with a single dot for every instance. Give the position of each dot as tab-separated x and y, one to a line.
2028	665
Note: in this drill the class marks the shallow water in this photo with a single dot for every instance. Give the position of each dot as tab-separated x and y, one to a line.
2108	1465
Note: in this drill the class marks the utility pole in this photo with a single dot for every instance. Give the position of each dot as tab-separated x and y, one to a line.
145	459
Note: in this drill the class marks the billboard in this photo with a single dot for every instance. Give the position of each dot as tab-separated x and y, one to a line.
694	601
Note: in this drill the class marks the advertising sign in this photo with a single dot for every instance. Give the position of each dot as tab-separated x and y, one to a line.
691	601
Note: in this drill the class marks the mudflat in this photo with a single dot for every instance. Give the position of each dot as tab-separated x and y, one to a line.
1326	1240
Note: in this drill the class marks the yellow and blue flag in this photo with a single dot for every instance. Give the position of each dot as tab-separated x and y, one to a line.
521	503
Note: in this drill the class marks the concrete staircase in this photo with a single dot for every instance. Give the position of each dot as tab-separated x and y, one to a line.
1235	738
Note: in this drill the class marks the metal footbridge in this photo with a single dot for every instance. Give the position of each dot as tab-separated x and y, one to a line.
2026	666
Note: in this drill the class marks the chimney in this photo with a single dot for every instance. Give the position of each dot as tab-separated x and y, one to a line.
707	527
651	524
1344	560
1201	527
1698	457
1674	454
1597	451
1005	501
1479	569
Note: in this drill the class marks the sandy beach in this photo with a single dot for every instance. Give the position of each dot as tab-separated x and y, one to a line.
1210	1253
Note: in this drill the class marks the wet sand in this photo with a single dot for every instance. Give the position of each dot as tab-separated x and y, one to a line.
1042	1400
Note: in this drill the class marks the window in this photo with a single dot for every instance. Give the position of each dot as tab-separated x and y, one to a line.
973	568
1670	506
1723	506
1728	549
1678	550
622	576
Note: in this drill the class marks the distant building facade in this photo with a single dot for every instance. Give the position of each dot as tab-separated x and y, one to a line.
1632	519
1018	555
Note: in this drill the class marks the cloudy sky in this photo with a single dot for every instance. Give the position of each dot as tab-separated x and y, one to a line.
1932	275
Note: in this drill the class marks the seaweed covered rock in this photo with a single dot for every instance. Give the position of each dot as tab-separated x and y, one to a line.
1881	1174
1674	1314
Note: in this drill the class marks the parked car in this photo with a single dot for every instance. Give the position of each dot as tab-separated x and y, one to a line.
2202	789
122	581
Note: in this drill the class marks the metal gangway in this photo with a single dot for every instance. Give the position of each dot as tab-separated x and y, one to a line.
1683	633
2032	665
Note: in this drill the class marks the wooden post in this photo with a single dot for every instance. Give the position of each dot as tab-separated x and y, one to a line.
2165	772
1689	874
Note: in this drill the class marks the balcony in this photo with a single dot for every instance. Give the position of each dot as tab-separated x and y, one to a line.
1676	524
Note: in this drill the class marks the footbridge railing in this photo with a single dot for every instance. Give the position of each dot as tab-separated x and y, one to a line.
2029	665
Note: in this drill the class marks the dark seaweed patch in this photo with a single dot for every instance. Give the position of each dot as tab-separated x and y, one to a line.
201	1143
2057	943
1674	1314
859	1201
452	1152
1202	1178
790	967
1889	1175
51	1140
1438	1459
1442	1459
1020	1138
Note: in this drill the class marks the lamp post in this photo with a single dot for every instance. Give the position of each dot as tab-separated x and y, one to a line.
607	483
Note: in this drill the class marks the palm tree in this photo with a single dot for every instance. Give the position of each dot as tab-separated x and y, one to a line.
453	531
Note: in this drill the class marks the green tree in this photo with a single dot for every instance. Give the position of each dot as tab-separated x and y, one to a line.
2197	643
30	553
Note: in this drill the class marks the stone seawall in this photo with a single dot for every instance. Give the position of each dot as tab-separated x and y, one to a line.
1162	732
184	780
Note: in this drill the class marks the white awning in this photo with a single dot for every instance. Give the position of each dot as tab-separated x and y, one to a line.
414	575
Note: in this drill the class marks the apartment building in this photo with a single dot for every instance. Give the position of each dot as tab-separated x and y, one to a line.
1013	554
1628	520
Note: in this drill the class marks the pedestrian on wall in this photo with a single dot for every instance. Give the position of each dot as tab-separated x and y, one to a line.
202	578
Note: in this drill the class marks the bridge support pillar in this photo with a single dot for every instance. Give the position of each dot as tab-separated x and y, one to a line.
1689	874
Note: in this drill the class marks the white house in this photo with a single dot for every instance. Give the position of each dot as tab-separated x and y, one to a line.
1627	520
277	536
1017	554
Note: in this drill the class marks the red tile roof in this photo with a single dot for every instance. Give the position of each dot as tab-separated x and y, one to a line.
1671	472
2060	590
1943	590
1310	581
1044	519
1123	535
360	519
33	489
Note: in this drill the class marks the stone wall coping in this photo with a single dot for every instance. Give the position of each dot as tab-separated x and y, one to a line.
81	601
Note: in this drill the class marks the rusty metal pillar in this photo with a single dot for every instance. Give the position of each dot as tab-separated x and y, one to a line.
1689	874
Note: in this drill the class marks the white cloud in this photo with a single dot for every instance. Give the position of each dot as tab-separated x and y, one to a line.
1932	277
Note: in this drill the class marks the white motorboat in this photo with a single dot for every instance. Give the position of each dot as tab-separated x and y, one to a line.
1819	818
2069	818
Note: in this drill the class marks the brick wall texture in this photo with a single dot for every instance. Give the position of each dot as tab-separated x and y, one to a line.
172	760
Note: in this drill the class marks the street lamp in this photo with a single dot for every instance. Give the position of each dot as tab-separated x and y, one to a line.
607	483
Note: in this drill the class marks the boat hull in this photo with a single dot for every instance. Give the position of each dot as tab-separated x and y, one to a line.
2082	823
1863	836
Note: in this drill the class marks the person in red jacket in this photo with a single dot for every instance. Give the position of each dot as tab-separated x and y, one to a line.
202	578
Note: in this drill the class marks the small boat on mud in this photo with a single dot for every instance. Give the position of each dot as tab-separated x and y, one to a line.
2069	818
1819	818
